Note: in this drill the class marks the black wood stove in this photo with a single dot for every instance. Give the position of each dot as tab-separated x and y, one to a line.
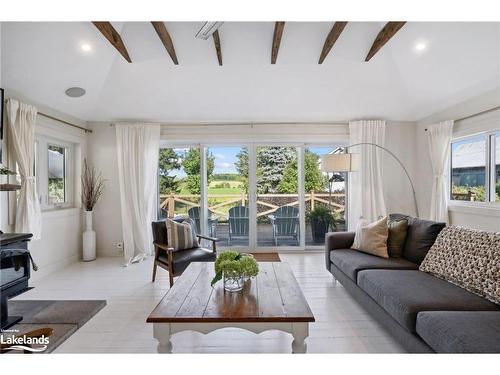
15	265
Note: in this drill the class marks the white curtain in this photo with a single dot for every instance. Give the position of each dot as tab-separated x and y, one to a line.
365	188
439	137
21	120
137	148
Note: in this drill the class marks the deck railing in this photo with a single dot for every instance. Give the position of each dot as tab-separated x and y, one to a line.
469	196
266	203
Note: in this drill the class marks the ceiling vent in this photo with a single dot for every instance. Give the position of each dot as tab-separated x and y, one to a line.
208	29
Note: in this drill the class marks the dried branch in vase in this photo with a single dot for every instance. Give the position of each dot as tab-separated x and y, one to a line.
92	186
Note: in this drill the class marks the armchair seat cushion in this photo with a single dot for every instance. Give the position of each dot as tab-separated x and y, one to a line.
351	262
182	258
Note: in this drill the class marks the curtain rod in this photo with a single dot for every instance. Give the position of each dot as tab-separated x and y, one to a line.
477	114
241	123
63	121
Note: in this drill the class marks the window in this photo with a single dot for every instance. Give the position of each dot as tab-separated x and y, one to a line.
475	168
179	180
57	174
54	173
252	195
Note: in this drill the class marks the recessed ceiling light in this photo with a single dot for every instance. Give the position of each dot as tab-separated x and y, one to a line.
420	46
86	47
75	92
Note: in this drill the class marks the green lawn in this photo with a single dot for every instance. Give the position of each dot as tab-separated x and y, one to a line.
224	191
215	188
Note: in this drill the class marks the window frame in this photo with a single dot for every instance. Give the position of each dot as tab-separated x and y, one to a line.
42	175
490	138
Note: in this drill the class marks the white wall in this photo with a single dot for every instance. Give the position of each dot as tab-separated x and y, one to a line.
400	138
474	217
107	214
60	244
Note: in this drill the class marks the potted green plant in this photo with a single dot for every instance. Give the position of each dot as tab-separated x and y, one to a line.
234	268
321	220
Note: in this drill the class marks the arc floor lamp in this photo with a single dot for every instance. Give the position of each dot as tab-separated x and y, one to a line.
347	162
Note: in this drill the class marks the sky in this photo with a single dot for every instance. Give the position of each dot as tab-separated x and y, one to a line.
471	151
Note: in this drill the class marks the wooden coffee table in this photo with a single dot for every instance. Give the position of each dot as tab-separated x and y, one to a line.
272	300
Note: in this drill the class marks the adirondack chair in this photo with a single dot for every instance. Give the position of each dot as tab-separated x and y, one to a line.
195	214
238	223
285	222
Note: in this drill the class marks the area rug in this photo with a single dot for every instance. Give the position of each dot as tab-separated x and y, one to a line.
64	317
266	257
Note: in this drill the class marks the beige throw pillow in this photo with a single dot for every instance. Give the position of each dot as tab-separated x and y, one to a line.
181	236
372	238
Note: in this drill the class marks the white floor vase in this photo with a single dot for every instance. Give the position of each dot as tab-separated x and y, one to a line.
89	242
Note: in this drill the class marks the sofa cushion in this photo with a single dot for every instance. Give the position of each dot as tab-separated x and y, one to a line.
468	258
420	236
351	262
460	331
405	293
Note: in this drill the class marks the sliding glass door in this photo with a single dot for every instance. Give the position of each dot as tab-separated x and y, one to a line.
251	196
318	199
179	182
278	211
228	212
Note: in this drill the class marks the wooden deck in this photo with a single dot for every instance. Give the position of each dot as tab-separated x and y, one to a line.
264	237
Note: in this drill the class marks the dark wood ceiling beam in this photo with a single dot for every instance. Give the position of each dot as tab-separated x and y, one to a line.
389	30
113	37
165	38
330	40
278	32
216	38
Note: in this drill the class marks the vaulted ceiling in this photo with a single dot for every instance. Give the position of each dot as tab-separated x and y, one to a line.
41	60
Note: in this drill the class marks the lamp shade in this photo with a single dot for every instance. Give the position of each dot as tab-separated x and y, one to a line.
338	163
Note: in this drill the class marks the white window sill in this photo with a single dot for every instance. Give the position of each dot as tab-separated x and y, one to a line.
475	208
61	212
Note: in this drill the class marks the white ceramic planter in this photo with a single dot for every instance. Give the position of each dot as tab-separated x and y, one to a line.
89	245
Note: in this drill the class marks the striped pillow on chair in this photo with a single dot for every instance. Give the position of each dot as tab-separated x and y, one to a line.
181	235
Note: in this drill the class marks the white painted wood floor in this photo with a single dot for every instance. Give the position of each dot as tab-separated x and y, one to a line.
342	325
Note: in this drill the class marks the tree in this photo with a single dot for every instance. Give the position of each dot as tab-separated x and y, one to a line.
314	180
168	161
192	167
271	164
242	167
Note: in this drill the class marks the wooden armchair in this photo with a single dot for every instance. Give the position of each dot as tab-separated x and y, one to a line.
175	262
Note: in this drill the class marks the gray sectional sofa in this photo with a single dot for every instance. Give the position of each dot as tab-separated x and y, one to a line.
424	313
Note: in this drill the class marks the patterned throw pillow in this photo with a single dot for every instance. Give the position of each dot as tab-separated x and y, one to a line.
181	235
468	258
